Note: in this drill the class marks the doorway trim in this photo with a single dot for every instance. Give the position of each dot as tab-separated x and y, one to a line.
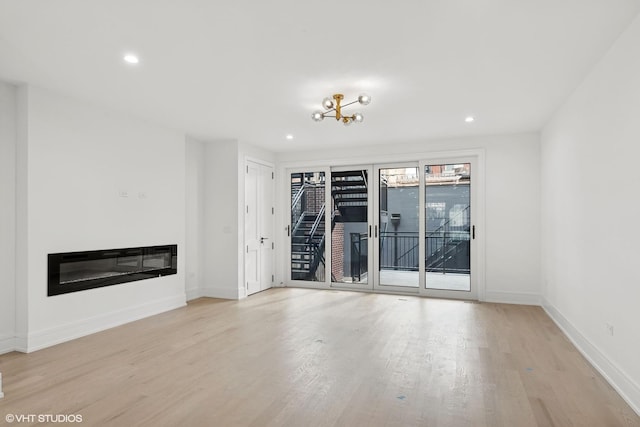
477	224
272	225
378	286
284	168
370	197
287	227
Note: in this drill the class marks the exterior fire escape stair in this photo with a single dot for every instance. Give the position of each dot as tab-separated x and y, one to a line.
307	244
349	192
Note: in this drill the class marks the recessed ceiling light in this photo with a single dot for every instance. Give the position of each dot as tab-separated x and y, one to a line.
289	136
131	59
469	119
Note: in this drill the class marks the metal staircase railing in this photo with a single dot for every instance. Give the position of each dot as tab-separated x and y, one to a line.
304	205
444	245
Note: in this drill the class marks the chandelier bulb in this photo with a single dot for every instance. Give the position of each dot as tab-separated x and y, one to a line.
364	99
358	117
317	116
327	103
347	121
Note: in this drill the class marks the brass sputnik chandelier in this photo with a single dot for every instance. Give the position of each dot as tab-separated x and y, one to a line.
334	105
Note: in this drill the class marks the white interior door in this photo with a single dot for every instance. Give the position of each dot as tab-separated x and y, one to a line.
258	227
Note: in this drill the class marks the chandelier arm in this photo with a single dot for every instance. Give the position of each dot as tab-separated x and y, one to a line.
350	103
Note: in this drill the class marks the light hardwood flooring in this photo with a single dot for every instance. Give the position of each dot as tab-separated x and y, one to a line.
299	357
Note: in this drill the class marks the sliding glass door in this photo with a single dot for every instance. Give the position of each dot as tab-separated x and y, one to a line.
307	227
351	227
448	228
398	227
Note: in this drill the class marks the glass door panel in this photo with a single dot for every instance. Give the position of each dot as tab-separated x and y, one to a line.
307	228
448	226
350	227
398	227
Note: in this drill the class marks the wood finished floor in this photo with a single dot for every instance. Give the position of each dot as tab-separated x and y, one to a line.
297	357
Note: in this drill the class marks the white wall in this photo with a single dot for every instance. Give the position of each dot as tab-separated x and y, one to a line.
590	213
22	218
215	206
221	223
513	220
195	215
512	197
8	138
79	161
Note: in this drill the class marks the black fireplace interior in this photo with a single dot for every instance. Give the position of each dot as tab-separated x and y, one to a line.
77	271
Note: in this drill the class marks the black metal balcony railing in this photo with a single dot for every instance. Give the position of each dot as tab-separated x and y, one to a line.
359	259
446	252
399	250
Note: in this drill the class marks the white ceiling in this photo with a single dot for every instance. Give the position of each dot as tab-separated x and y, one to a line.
255	70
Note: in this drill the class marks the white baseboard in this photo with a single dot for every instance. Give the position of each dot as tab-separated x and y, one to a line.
524	298
224	293
7	344
212	292
21	343
48	337
194	293
625	386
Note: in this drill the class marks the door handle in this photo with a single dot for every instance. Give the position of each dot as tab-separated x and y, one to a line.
376	228
369	231
262	239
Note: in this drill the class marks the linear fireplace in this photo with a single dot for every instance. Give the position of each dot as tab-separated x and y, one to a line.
77	271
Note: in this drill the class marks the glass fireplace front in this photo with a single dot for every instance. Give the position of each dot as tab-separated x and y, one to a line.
77	271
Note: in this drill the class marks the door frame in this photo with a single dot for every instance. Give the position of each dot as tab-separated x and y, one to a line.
477	209
272	264
377	285
370	198
288	229
478	177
